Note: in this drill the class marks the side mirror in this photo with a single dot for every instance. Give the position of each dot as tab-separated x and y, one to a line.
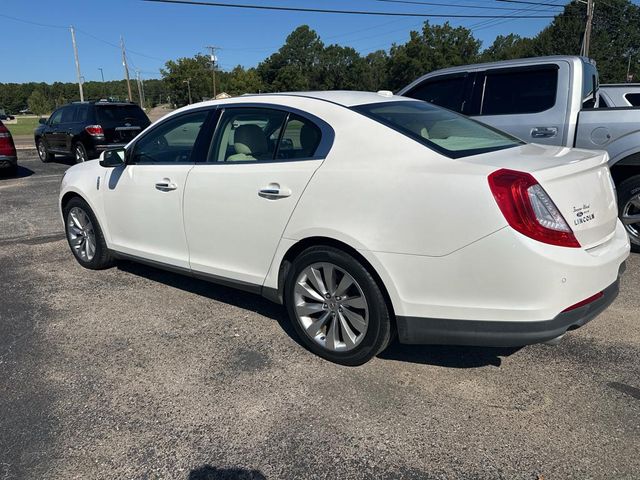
112	158
42	121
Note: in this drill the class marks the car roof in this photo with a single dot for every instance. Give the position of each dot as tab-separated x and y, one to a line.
346	98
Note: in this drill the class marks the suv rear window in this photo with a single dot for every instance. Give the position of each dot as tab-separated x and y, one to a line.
519	90
446	132
121	114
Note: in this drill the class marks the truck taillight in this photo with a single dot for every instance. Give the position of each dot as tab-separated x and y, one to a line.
7	148
528	208
95	130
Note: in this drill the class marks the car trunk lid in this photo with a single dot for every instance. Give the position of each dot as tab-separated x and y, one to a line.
578	182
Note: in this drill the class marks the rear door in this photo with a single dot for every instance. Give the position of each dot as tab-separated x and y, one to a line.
237	204
525	101
68	127
121	122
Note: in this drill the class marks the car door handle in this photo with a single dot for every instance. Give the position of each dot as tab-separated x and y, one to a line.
544	132
166	185
273	192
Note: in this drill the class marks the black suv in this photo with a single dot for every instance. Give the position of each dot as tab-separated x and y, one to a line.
85	129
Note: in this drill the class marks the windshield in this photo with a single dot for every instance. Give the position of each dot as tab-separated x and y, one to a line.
121	114
442	130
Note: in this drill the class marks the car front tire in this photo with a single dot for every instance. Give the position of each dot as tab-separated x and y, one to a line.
629	209
84	236
336	306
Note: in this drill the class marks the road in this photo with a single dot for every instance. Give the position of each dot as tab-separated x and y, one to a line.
137	373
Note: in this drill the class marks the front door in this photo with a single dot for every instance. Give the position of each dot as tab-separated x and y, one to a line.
238	203
143	199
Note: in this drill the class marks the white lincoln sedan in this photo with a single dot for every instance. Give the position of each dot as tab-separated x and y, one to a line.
367	215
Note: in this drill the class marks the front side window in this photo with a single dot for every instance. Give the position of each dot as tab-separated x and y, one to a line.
446	92
446	132
172	141
633	99
247	135
56	117
517	91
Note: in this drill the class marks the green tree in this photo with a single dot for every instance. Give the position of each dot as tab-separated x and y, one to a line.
506	47
295	66
437	46
240	81
195	70
39	103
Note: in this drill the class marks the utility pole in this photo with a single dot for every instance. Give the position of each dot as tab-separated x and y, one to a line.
126	67
75	53
214	59
140	93
586	39
101	73
188	82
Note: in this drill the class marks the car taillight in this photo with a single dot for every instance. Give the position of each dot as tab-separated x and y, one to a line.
95	130
7	148
529	210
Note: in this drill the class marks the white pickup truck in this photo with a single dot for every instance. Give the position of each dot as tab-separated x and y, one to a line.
551	100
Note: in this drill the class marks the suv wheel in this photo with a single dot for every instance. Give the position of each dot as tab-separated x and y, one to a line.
80	153
85	236
336	306
43	153
629	205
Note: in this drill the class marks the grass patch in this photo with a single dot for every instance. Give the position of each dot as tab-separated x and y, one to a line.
25	126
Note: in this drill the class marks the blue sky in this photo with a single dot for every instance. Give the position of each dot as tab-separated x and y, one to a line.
156	32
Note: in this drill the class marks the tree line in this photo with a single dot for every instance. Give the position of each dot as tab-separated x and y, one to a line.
305	62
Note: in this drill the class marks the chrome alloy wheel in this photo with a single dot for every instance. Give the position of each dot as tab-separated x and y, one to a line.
331	307
81	235
631	218
42	150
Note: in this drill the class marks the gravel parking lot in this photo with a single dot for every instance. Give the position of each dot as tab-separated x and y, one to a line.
137	373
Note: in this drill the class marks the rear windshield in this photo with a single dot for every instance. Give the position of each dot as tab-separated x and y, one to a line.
121	114
442	130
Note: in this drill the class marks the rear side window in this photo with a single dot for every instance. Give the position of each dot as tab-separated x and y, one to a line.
68	114
633	99
516	91
81	114
299	140
447	92
446	132
247	135
121	114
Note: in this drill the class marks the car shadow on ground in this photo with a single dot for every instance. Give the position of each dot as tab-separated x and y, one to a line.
207	472
437	355
22	172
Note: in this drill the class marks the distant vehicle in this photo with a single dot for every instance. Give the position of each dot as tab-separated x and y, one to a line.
548	100
4	116
619	95
25	111
85	129
8	155
365	214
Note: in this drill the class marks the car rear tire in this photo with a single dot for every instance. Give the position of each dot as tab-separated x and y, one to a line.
80	153
629	209
43	153
85	237
336	306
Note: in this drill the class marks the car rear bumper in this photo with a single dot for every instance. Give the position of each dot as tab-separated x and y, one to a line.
8	162
412	330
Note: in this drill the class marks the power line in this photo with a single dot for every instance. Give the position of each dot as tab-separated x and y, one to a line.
435	4
342	12
532	3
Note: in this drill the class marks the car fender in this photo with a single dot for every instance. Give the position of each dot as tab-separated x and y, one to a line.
624	147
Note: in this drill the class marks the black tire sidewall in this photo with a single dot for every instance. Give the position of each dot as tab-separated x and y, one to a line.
102	258
79	145
47	155
626	190
379	327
